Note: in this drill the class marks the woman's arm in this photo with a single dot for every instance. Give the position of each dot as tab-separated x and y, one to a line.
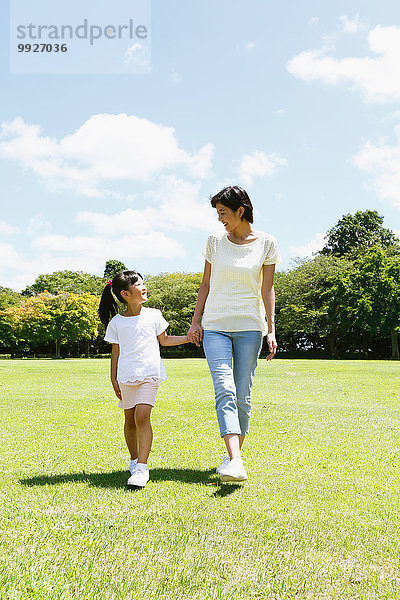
268	296
113	373
195	333
172	340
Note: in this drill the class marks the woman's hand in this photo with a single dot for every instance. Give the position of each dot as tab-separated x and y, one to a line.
116	389
272	345
195	334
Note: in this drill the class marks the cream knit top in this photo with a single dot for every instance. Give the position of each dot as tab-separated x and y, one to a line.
234	302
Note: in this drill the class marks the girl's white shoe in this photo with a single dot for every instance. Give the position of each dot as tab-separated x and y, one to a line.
132	465
139	477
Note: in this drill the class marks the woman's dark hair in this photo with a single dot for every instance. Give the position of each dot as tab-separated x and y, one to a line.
121	281
234	197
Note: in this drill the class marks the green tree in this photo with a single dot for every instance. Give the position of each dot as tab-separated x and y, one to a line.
366	298
76	282
175	294
29	320
302	302
355	233
60	318
113	267
8	297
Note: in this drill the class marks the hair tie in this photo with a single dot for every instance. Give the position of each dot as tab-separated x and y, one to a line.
110	282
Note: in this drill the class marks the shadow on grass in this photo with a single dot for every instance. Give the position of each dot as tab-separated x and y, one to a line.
224	489
117	479
114	479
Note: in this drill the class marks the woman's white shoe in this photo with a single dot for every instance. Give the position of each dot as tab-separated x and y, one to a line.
225	462
234	471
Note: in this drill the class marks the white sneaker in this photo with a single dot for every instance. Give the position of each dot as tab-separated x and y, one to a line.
234	471
132	465
225	462
139	477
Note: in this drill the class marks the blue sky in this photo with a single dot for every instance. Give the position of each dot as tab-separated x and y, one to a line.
297	102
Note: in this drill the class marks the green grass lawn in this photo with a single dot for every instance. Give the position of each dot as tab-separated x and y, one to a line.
318	518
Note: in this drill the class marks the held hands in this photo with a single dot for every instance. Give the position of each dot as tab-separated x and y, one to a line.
272	345
195	334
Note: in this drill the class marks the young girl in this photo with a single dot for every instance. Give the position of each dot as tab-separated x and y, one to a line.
136	365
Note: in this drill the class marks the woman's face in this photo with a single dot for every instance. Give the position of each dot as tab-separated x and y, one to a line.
230	219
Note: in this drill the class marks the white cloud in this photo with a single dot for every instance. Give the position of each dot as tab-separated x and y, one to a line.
377	78
8	255
382	161
200	163
54	252
259	164
174	76
314	21
391	116
175	206
308	249
127	221
82	253
154	244
347	25
24	271
147	230
138	54
250	45
7	229
104	149
38	225
351	24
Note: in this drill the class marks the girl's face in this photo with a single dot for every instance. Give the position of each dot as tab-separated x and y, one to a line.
230	219
136	293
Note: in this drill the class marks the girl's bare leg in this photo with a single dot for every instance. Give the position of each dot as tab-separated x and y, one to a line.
130	432
144	431
241	440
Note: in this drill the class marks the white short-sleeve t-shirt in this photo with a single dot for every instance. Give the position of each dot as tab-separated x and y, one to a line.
234	302
139	350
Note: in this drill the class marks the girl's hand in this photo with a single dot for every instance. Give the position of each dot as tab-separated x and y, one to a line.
272	345
195	334
116	389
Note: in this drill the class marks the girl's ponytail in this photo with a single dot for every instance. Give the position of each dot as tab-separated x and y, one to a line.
108	306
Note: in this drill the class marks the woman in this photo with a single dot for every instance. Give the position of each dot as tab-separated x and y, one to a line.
236	294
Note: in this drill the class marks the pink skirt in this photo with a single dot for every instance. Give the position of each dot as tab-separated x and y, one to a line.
138	392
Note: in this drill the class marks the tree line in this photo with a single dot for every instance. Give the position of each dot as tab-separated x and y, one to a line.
342	302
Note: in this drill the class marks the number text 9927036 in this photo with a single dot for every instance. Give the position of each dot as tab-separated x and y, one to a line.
42	48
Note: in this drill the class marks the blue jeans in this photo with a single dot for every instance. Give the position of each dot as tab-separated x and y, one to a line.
232	359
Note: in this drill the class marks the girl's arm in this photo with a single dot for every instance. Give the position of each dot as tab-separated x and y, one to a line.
268	296
172	340
195	333
113	373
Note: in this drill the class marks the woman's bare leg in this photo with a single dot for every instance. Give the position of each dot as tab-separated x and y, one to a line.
232	445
